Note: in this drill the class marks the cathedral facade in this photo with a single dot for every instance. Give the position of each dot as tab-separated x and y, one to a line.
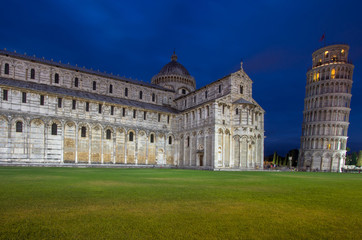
57	114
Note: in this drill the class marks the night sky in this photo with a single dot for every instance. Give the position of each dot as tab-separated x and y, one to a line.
275	40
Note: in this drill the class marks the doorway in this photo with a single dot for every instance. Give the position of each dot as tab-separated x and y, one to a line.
201	157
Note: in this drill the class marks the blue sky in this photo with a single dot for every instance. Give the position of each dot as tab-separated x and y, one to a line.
275	40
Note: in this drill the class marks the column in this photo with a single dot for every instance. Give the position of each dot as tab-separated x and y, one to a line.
27	140
205	148
240	150
136	147
165	151
125	147
190	150
102	136
76	139
62	150
10	144
223	150
197	161
114	147
89	145
184	150
247	154
230	150
147	140
45	143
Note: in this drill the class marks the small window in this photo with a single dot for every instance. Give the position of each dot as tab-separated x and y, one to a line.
205	94
185	102
83	132
87	106
170	140
241	89
219	88
333	73
110	88
5	95
19	126
223	109
134	113
32	73
188	141
208	110
130	137
123	112
56	78
108	134
168	119
76	82
74	104
152	138
59	102
159	117
6	70
112	110
144	115
183	91
54	129
153	97
126	92
141	94
194	99
99	108
41	99
94	85
23	99
237	111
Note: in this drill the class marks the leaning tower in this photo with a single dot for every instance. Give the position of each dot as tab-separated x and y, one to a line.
326	110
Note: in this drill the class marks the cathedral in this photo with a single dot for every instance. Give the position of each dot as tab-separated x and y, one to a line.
56	114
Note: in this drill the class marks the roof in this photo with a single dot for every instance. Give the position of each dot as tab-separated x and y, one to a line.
83	69
243	101
84	95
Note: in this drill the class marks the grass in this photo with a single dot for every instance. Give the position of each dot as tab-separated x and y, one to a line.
74	203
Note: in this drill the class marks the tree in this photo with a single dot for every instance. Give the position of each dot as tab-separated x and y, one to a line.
275	158
285	163
359	161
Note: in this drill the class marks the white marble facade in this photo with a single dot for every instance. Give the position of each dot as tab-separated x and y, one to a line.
54	113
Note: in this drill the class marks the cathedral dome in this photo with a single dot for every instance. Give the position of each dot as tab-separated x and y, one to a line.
174	67
176	77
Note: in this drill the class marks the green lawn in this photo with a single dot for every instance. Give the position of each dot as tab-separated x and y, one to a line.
89	203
